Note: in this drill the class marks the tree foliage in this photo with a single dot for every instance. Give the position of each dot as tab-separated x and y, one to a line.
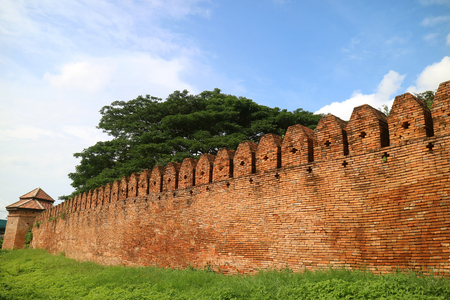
147	131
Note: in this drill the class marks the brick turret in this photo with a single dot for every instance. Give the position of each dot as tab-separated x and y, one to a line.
21	216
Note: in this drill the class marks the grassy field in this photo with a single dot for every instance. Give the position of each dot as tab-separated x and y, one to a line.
34	274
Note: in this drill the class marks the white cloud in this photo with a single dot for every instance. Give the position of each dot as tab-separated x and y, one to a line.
81	75
24	132
87	135
430	37
432	76
448	40
386	89
433	21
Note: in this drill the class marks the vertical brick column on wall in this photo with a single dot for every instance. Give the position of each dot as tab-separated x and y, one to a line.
298	146
245	159
157	179
187	173
115	190
144	184
100	196
83	201
331	138
367	130
94	198
170	178
107	193
123	188
204	170
223	165
268	153
409	119
133	185
441	110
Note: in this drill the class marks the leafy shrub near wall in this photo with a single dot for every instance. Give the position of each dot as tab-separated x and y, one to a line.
28	237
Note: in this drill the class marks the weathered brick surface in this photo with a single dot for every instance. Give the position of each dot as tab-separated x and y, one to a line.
331	138
223	165
379	208
18	224
156	179
245	159
298	146
170	178
187	173
441	109
367	130
409	119
268	153
144	184
204	170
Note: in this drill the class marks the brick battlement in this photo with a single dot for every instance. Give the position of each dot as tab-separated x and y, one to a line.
372	191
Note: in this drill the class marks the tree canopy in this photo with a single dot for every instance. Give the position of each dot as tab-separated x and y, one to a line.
147	131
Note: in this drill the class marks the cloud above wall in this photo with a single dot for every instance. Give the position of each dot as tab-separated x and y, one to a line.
432	76
389	86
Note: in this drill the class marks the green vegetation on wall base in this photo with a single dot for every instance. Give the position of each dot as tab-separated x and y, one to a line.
35	274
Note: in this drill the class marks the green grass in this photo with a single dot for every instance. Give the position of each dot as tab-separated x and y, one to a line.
35	274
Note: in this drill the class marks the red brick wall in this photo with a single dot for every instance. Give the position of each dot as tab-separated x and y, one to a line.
354	202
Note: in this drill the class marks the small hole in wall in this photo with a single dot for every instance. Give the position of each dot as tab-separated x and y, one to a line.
385	156
345	163
242	163
293	150
191	192
309	169
251	180
430	146
154	182
169	180
220	168
202	173
207	188
228	184
174	194
185	177
265	157
277	176
363	134
159	197
327	143
405	124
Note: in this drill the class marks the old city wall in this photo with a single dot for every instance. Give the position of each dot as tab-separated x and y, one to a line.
372	192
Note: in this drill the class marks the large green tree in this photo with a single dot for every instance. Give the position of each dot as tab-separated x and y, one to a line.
147	131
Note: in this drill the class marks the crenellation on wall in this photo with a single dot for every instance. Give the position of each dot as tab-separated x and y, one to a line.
331	139
204	169
157	179
133	185
441	109
99	196
351	195
409	119
223	168
115	190
170	178
144	183
367	130
298	146
123	188
245	159
268	153
107	193
187	173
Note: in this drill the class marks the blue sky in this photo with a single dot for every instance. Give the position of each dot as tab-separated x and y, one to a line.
61	61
